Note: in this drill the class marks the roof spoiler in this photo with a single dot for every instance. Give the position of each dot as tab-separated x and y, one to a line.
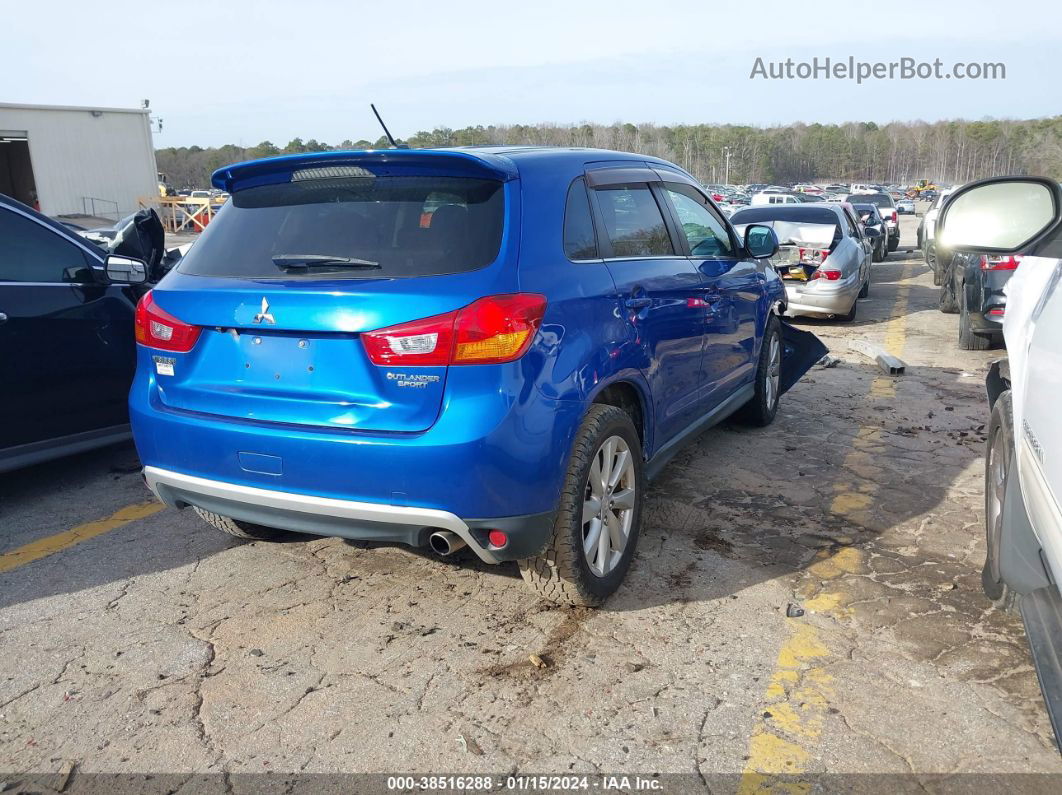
381	162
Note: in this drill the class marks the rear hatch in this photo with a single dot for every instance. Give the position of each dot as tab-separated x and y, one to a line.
307	257
805	242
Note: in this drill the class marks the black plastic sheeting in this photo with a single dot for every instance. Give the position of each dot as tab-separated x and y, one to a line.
800	350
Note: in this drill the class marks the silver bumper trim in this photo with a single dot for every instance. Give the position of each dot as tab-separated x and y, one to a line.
306	503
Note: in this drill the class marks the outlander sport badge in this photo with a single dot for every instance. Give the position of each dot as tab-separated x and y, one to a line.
265	316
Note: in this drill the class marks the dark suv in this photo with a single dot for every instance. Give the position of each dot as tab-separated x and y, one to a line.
972	286
887	207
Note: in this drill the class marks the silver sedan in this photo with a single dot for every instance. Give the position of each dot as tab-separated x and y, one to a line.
824	256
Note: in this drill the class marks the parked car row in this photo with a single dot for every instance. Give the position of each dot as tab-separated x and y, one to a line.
491	348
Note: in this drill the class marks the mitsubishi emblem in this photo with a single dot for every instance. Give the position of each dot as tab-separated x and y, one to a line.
265	316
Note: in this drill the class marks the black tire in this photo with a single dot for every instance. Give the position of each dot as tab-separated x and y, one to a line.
244	530
864	291
851	315
762	408
999	465
882	253
948	303
934	265
561	572
968	339
894	243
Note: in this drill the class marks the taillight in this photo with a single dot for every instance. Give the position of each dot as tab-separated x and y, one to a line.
813	256
828	275
157	328
492	330
425	342
991	262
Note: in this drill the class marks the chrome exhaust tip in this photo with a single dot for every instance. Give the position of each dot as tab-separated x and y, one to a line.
444	543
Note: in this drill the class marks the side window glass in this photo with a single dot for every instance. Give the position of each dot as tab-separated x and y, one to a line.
633	221
579	240
30	252
850	224
705	233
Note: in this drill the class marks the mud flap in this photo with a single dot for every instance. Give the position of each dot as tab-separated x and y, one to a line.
800	351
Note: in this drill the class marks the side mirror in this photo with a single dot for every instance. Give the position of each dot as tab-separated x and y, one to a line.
1001	215
871	232
760	241
126	270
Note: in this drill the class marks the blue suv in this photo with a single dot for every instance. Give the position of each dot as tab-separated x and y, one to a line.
492	348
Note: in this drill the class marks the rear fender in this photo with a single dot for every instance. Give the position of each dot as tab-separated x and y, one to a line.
636	381
998	380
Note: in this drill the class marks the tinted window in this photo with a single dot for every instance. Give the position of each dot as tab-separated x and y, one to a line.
408	226
31	252
850	222
633	221
807	215
798	214
705	233
579	240
878	200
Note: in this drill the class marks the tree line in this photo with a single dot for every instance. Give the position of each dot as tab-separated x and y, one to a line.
896	153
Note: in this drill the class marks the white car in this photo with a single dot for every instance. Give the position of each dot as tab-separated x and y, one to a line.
766	197
1023	467
927	234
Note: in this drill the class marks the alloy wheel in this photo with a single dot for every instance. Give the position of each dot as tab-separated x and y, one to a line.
773	376
608	505
997	485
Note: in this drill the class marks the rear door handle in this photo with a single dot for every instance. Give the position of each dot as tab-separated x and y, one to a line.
638	303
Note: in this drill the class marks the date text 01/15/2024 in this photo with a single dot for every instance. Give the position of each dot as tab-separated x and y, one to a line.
528	783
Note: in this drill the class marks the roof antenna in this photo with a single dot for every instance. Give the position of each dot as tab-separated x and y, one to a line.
391	138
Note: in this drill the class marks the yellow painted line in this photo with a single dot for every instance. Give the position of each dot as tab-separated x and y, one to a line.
798	693
75	535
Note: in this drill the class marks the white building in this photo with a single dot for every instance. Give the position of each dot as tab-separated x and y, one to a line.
74	161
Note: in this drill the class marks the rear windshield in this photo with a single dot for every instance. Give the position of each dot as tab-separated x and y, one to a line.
877	199
358	227
781	212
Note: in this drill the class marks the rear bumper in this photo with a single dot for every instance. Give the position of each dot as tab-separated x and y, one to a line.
493	452
825	302
986	324
364	521
991	300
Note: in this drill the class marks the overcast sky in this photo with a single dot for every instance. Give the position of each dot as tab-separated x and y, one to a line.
243	71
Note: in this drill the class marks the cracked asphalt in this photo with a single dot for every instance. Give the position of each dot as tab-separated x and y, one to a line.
157	645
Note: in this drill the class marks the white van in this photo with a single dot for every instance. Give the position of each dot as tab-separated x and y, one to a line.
760	199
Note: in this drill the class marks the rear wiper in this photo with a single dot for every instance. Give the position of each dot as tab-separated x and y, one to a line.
286	261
